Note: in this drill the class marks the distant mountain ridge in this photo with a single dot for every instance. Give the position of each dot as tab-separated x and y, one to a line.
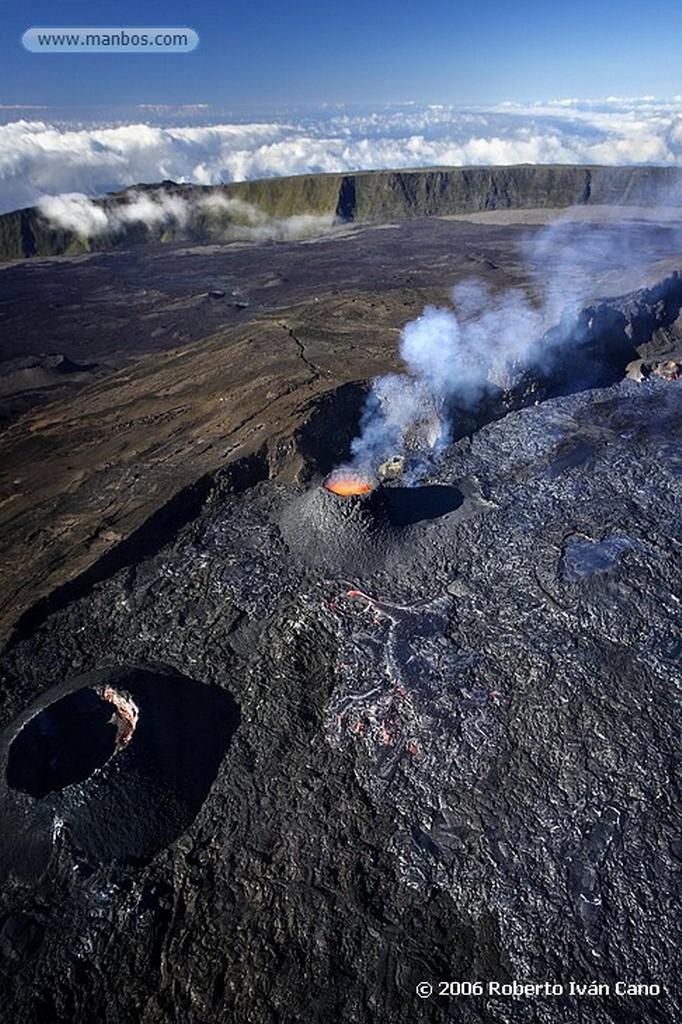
362	197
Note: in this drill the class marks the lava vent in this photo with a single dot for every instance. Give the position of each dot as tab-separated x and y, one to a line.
341	524
348	483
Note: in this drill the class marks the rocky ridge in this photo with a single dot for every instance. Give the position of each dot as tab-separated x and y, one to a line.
361	198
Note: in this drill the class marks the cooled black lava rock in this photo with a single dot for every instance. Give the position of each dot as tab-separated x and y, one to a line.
461	744
352	532
606	336
341	531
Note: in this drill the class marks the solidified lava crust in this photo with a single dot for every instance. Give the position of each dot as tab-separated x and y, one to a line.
455	738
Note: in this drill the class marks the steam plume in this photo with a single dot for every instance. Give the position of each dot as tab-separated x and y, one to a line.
451	361
409	413
454	358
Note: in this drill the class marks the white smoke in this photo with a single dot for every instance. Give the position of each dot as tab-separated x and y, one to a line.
491	340
499	331
396	406
409	412
449	359
232	218
161	209
75	212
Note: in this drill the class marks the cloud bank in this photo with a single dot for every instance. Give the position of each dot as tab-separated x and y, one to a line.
222	216
41	158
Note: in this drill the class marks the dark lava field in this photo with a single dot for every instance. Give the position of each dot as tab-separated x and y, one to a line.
272	753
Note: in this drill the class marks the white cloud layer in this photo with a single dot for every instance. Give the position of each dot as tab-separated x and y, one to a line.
233	218
39	158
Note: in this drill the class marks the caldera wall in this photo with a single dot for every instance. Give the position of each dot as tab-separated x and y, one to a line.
363	197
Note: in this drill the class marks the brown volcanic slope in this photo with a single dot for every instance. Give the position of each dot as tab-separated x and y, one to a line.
206	368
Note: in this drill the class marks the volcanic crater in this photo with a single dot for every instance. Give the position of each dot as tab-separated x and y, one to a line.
351	521
273	752
117	764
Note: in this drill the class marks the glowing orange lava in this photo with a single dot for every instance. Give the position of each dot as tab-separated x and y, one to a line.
348	485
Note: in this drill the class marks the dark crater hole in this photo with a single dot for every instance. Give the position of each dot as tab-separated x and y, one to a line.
406	506
139	800
63	744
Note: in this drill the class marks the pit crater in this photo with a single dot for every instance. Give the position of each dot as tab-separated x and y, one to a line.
115	764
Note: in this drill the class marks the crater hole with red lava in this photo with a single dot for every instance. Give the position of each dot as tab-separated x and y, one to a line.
347	484
69	740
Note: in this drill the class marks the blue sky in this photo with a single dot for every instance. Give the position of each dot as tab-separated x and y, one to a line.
268	53
278	88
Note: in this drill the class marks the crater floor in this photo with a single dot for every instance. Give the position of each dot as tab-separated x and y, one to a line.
452	760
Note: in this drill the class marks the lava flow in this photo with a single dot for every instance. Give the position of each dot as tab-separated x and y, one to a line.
347	484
